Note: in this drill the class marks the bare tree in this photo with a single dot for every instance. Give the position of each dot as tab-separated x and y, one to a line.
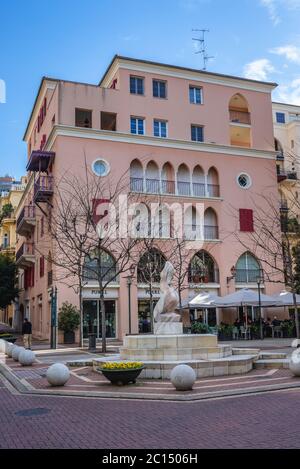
89	234
272	243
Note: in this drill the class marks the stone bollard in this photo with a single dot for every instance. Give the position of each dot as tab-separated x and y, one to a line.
16	352
58	374
26	357
183	377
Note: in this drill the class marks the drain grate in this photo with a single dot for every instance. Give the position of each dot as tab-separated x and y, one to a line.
32	412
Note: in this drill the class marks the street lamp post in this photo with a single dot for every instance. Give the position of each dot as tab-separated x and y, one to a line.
129	283
259	281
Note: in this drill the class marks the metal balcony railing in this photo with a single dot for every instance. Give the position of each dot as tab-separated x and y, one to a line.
25	249
199	189
211	232
185	188
168	187
43	188
27	212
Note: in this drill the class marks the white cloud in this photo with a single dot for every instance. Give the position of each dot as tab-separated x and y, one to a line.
276	6
290	52
258	69
289	93
271	6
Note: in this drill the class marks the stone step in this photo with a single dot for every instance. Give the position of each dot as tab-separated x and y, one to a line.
271	355
273	363
245	351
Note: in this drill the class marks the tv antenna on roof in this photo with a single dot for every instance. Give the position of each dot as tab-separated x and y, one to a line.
202	46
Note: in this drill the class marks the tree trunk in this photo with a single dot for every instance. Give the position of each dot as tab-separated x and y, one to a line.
81	318
103	322
296	314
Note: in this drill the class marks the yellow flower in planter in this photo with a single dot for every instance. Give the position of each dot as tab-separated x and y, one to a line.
121	365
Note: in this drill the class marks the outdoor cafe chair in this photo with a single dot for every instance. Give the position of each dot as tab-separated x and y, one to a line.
245	332
277	331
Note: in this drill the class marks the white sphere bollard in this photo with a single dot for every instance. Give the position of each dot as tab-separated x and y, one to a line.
58	374
7	346
16	352
9	349
295	363
27	357
183	377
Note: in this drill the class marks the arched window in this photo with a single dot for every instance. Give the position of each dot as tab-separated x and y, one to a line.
240	121
150	266
167	179
192	223
136	176
100	265
183	180
211	230
152	178
198	179
239	109
213	187
247	269
203	269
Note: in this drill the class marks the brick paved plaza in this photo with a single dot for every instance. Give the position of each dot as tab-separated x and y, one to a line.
270	420
147	415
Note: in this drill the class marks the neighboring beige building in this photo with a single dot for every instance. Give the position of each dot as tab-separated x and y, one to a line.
11	192
286	119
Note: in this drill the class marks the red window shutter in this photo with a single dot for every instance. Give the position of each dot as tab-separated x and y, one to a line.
45	107
42	266
246	219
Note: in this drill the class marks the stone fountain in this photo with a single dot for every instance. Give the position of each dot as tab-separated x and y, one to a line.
168	346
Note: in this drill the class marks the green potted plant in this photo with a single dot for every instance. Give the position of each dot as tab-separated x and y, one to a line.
68	321
121	373
199	328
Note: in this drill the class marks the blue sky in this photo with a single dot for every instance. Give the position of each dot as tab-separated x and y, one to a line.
75	40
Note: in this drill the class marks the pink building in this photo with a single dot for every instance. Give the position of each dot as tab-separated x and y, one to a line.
190	135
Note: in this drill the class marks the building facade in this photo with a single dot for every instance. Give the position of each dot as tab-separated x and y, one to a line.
187	135
10	196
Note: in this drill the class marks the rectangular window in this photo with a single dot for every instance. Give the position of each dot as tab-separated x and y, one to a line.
159	89
108	121
83	118
136	85
160	128
280	117
196	96
246	220
137	125
197	133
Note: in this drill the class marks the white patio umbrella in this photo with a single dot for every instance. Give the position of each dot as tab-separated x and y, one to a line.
204	300
245	297
285	298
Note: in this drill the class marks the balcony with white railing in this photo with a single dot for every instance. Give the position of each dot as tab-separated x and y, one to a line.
169	187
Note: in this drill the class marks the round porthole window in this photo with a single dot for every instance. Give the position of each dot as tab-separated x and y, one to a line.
244	180
100	167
